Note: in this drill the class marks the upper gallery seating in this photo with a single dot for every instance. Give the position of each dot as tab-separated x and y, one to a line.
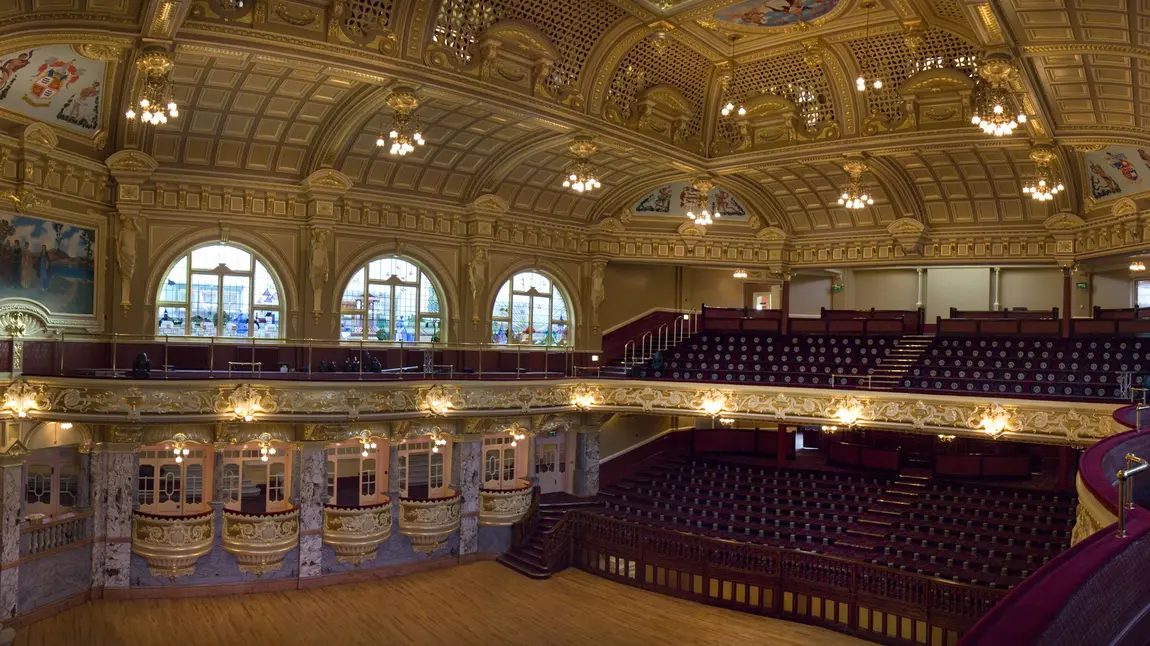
978	534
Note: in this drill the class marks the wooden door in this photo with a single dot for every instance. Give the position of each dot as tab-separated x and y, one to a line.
551	464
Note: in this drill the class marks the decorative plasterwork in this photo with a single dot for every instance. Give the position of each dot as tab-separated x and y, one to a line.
169	402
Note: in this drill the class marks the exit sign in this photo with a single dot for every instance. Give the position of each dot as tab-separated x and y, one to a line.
1082	285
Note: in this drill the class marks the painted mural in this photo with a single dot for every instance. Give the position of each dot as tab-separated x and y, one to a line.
48	262
775	13
675	199
1117	171
53	84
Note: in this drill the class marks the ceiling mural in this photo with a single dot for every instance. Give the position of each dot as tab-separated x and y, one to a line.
1117	171
775	13
53	84
677	198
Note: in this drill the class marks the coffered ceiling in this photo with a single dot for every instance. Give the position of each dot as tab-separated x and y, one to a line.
278	92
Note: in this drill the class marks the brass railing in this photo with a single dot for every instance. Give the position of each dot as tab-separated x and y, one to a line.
355	533
429	522
260	541
171	545
505	506
1126	489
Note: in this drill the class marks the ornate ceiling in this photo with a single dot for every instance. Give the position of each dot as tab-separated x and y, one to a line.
279	89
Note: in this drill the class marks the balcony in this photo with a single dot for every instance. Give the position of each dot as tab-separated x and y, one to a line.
356	532
504	506
428	522
260	541
171	544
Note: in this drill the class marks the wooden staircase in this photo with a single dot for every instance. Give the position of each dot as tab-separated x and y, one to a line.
871	529
899	361
528	556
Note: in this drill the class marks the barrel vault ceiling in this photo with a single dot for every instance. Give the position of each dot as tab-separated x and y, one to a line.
275	90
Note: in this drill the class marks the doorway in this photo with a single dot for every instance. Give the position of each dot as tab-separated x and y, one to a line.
551	464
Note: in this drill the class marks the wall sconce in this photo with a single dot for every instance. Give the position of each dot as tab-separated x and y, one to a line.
726	421
20	398
65	426
849	413
994	421
367	442
517	434
945	438
438	402
829	430
266	448
245	403
439	441
178	447
713	403
582	398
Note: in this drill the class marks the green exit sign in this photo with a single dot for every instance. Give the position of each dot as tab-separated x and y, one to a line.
1082	285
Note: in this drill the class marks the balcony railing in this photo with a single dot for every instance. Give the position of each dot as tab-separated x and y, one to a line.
504	506
52	535
260	541
355	533
429	522
171	545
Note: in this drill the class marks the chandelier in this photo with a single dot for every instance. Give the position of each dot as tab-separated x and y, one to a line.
580	175
1044	185
179	447
702	188
1137	265
730	107
994	109
156	93
367	442
854	193
404	134
740	273
865	79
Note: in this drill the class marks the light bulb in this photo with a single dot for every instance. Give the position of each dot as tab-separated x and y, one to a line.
373	445
263	458
186	451
174	113
131	114
393	134
435	449
742	111
272	451
380	142
364	454
513	443
877	84
145	103
1021	118
179	459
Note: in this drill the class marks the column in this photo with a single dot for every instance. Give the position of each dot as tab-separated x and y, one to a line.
1067	291
918	303
532	475
312	458
785	303
11	501
781	445
114	469
470	456
997	289
393	491
218	496
83	481
587	467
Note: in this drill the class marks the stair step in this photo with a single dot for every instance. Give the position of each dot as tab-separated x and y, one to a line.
881	520
855	531
859	542
523	567
887	501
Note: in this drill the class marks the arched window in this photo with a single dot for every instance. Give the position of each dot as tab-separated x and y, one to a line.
391	299
219	290
530	309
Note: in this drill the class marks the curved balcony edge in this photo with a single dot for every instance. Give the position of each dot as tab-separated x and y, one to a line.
428	523
355	533
260	541
504	507
171	545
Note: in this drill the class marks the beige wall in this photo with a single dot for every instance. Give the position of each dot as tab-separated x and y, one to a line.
966	288
1112	290
632	289
809	294
715	287
890	289
1032	288
624	431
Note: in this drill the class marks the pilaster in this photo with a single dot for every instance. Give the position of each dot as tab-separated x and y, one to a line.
114	469
470	456
587	462
312	498
11	501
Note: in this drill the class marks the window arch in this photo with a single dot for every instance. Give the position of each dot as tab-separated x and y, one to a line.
531	309
392	299
220	290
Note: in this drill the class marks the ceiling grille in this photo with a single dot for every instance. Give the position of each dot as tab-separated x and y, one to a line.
887	56
679	66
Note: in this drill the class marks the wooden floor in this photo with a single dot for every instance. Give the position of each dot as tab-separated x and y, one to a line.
473	605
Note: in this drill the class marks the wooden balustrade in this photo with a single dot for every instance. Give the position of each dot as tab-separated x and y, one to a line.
524	528
877	603
44	537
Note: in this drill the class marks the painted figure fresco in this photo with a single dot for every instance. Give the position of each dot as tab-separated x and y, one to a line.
775	13
48	262
658	201
677	198
1117	171
53	84
1127	169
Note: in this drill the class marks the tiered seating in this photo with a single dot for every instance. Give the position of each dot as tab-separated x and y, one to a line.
797	360
1078	368
968	533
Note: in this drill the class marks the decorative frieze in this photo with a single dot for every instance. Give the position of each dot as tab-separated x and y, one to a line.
428	523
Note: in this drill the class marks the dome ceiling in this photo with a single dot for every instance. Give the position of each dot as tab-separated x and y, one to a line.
279	92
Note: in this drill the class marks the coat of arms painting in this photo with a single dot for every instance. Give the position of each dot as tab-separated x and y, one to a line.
53	84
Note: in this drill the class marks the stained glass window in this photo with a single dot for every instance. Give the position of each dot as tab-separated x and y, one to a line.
530	309
219	290
392	300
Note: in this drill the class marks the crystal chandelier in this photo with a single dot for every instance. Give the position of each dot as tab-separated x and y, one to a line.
155	100
702	188
1137	265
581	175
179	447
740	273
1044	184
404	134
854	194
730	107
994	110
862	83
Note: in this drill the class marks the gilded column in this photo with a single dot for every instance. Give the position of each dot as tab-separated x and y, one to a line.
312	498
11	499
114	469
470	452
587	467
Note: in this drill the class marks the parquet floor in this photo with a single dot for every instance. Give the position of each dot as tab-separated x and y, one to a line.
482	604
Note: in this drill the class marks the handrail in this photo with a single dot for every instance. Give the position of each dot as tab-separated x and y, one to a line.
1126	489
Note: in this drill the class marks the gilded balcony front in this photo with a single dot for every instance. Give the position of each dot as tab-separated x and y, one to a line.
504	506
356	532
260	541
171	544
428	522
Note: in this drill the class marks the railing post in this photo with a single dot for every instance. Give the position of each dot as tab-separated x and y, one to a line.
211	357
63	351
166	362
114	375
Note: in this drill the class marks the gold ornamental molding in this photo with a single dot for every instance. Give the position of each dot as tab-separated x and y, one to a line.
171	544
260	541
428	523
504	506
1092	514
168	402
355	533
